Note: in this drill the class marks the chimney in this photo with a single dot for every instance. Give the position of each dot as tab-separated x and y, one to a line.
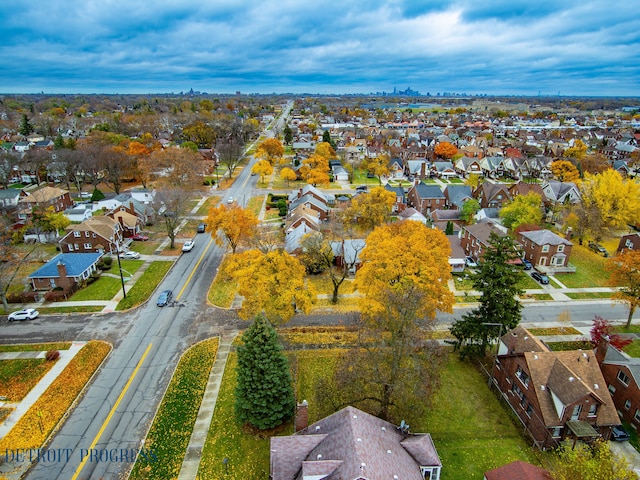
62	269
601	349
302	416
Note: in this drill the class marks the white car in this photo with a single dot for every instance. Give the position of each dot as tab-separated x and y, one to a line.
230	200
25	314
130	255
188	246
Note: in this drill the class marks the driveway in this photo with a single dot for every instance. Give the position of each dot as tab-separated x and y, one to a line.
626	450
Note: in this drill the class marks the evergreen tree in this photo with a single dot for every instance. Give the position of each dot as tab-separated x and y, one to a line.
264	392
449	229
58	143
288	135
499	309
25	126
326	137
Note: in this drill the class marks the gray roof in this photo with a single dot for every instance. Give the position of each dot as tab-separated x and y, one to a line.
545	237
428	191
616	357
458	194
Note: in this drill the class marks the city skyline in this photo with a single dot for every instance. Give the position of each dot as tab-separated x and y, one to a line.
567	48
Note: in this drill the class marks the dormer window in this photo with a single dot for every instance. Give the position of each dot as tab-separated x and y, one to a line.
593	410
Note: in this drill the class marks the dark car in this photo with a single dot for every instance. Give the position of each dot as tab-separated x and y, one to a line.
540	277
596	247
202	227
619	434
526	264
164	298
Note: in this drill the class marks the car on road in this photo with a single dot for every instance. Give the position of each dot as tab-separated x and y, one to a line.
619	434
130	255
361	188
202	228
230	200
24	314
188	246
540	277
526	264
596	247
164	298
139	237
470	262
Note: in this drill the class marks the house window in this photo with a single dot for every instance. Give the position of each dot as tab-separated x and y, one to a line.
529	410
518	392
76	234
636	416
593	410
624	379
560	248
576	412
556	432
628	244
522	375
627	404
86	234
612	390
70	247
545	248
88	246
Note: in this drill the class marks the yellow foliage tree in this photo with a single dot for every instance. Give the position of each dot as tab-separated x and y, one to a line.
262	168
379	165
271	283
625	273
271	150
402	254
326	150
369	210
616	199
565	171
315	169
577	151
288	175
235	223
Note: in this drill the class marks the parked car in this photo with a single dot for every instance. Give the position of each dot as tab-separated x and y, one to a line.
130	255
188	246
230	200
596	247
202	228
526	264
540	277
164	298
470	262
619	434
361	188
25	314
139	237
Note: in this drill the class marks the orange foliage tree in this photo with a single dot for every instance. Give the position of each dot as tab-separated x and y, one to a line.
625	274
445	150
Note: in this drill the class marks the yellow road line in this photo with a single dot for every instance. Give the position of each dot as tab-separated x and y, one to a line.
113	410
194	270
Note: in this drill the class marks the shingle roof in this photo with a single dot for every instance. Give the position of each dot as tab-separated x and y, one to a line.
545	237
518	470
76	263
428	191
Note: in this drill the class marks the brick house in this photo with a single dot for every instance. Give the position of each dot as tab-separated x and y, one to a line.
622	374
64	271
42	199
475	238
492	195
96	234
426	198
547	251
355	445
518	470
629	242
556	395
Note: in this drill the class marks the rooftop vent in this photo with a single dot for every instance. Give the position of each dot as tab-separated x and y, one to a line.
384	429
319	456
571	379
388	451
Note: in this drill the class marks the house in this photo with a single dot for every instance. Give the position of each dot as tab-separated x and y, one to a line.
523	188
396	168
441	218
425	198
9	198
547	251
65	270
352	444
622	374
78	213
96	234
340	174
456	195
457	255
475	238
561	192
443	170
302	214
346	253
518	470
401	197
556	395
412	214
42	199
630	241
492	195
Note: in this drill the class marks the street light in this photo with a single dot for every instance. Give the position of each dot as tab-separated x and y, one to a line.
124	292
495	360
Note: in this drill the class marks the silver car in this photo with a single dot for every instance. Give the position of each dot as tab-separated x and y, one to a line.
25	314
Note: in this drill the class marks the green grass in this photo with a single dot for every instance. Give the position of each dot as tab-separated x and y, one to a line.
538	296
208	203
104	288
624	329
564	346
554	331
590	269
633	349
145	285
171	430
35	347
222	290
255	204
19	376
76	309
581	295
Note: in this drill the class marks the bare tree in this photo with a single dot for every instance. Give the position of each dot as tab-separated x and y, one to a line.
171	205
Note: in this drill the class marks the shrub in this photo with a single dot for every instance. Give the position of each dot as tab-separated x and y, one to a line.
107	260
52	355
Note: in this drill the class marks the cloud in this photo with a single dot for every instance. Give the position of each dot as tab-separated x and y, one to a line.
507	46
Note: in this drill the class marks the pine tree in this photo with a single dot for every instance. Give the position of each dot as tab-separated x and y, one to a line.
25	126
288	135
500	310
264	392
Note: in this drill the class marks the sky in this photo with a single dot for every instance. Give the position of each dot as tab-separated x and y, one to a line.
493	47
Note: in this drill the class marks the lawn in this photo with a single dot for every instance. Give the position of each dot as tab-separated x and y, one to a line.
208	203
590	269
472	430
222	291
104	288
35	347
255	204
19	376
323	285
145	285
633	349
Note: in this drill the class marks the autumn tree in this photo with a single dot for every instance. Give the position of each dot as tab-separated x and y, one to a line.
500	310
270	150
49	221
589	462
401	254
445	150
369	210
469	209
229	151
616	199
326	150
270	283
178	167
565	171
523	209
171	205
199	133
288	175
473	180
392	351
625	274
236	225
602	328
315	170
577	151
262	168
264	395
378	166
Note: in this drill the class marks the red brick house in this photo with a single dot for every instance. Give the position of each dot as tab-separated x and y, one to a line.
426	198
475	238
64	271
96	234
622	374
43	198
547	251
556	395
629	242
518	471
492	195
